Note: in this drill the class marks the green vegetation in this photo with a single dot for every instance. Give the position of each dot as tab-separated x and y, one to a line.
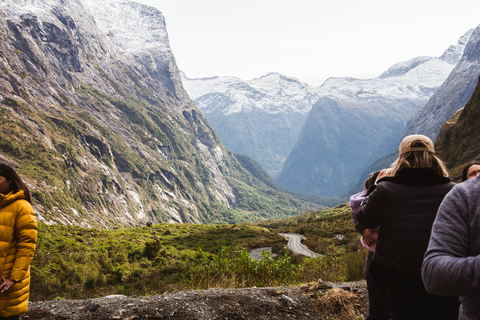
321	229
74	262
458	141
74	160
122	148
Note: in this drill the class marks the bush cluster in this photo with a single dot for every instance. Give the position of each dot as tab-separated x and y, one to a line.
234	267
79	263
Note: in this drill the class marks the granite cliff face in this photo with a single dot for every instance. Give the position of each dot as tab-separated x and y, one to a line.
95	118
458	141
452	95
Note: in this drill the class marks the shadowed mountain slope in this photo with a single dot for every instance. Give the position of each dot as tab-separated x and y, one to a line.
95	118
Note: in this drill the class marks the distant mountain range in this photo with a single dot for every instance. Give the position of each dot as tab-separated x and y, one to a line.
261	118
317	140
453	94
441	111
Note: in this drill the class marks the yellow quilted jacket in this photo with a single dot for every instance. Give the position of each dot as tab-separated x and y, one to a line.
18	238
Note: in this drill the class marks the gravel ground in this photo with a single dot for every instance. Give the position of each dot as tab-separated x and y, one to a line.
320	300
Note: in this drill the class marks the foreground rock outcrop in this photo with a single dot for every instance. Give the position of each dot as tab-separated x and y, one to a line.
314	301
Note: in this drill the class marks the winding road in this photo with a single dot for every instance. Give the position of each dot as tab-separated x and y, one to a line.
295	244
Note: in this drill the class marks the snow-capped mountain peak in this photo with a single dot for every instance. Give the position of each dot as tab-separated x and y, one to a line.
403	67
453	54
132	26
273	108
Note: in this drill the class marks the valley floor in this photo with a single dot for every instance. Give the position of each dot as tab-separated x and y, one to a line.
309	301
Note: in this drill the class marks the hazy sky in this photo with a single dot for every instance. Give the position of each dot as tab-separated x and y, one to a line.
310	39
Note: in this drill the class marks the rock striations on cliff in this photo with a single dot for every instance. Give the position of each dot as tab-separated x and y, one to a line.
458	141
452	95
95	118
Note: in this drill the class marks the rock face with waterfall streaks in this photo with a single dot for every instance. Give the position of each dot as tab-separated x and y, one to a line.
95	118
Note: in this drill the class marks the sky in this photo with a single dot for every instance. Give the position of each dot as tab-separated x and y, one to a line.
310	40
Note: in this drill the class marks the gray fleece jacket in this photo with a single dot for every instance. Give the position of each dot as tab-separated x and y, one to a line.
452	261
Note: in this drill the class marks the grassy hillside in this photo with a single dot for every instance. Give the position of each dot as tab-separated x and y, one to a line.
75	262
322	229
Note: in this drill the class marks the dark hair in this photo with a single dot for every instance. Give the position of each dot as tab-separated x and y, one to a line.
8	172
371	180
467	166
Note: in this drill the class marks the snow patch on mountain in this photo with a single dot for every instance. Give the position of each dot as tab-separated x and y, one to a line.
274	105
416	79
132	26
21	7
272	93
401	68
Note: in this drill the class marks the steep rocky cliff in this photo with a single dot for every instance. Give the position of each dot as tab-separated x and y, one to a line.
95	118
458	141
452	95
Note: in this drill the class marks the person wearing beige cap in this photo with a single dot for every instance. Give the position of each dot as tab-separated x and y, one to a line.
404	205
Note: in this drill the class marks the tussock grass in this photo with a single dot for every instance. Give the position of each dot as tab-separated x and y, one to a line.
339	301
80	263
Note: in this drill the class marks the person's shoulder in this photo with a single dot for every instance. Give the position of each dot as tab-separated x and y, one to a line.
388	183
24	205
470	184
450	184
466	189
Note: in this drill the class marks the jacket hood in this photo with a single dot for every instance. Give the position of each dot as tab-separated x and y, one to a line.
10	197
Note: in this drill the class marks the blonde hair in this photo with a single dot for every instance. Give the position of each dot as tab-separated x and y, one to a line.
418	159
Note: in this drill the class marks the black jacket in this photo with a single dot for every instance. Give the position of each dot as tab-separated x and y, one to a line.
404	207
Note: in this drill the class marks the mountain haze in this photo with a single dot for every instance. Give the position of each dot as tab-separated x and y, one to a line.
95	118
261	118
358	121
317	140
453	94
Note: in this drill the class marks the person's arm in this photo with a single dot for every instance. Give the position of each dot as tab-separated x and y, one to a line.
370	213
355	202
370	236
447	269
26	233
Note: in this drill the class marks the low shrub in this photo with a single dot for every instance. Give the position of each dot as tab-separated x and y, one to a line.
80	263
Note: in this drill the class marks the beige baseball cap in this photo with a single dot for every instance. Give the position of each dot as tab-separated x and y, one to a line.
407	142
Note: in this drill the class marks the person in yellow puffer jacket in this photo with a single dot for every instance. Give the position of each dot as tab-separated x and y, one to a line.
18	238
